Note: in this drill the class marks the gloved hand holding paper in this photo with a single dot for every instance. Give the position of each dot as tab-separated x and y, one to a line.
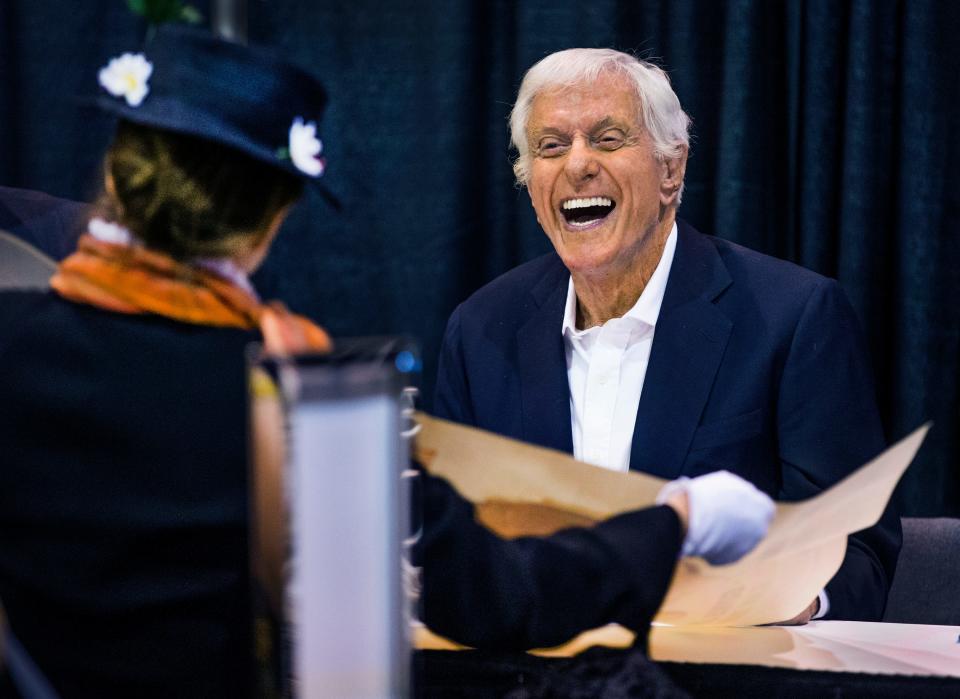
803	548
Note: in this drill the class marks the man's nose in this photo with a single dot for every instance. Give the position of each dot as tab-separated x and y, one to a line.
582	164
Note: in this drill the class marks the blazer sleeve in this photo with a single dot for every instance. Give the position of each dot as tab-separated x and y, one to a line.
452	400
829	425
488	592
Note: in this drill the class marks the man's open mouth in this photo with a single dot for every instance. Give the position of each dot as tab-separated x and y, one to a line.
586	211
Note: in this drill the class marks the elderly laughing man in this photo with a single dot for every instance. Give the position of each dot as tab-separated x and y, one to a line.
640	343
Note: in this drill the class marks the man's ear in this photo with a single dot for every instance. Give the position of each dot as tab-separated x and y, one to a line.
672	171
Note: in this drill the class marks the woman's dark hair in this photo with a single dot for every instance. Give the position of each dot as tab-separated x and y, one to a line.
190	197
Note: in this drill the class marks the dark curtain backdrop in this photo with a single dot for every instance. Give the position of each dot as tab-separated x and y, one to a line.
825	133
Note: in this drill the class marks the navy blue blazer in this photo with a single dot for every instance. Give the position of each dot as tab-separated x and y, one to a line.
757	366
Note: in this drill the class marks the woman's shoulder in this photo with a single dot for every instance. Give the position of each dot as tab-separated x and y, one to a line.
37	321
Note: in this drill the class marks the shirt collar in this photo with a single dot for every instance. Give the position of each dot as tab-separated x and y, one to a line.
110	232
228	269
647	307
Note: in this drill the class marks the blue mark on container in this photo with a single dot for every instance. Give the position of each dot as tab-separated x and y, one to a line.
407	362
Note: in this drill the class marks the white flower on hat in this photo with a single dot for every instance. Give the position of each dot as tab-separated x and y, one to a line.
305	147
126	76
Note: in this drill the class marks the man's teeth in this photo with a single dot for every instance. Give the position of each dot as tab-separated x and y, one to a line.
584	203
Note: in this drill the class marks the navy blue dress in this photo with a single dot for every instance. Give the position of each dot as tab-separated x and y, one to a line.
123	499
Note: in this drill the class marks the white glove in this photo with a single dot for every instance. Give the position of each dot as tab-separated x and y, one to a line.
727	515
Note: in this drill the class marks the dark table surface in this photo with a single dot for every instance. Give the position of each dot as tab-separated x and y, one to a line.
612	674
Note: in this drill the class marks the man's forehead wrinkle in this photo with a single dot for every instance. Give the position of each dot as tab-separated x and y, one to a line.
549	131
602	124
606	123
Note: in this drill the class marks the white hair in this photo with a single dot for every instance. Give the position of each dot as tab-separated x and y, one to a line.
660	112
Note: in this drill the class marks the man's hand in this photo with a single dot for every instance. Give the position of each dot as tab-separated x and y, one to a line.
803	617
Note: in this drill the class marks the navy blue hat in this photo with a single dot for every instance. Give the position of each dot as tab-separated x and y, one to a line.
250	99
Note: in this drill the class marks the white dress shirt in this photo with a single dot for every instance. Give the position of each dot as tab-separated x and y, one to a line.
606	366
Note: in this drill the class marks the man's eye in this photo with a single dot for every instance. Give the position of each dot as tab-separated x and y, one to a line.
551	147
611	140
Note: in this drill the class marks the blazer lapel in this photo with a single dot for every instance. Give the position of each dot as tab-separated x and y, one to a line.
688	344
544	392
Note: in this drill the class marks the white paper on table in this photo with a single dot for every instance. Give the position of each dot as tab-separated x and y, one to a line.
842	646
803	549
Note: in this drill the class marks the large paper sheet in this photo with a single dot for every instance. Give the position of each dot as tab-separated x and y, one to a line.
779	578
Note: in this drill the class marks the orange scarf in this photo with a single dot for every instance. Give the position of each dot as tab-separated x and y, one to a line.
131	279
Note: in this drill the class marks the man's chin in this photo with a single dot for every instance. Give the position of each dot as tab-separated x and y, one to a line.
587	264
